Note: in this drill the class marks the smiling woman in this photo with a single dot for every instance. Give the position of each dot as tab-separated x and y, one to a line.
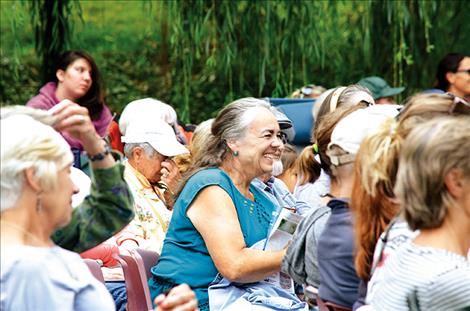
218	215
77	78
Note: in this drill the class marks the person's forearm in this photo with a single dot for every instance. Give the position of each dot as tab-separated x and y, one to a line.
253	265
103	213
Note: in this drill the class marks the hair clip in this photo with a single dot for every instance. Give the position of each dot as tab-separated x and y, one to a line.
315	148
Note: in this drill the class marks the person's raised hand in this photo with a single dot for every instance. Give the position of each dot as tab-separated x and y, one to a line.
170	174
73	120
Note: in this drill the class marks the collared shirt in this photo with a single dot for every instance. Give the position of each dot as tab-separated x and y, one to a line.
152	217
105	211
279	194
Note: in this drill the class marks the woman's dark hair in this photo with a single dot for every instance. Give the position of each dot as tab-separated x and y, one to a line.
94	99
450	63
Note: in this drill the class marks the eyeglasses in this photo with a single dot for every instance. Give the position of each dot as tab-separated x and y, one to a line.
459	105
283	137
464	70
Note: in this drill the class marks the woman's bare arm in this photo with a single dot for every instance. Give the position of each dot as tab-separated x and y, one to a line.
214	216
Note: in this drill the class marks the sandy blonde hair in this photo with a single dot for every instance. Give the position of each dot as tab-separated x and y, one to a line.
429	153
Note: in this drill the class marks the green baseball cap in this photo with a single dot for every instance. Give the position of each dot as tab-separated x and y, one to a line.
379	87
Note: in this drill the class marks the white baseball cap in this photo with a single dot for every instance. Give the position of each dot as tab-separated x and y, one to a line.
157	133
353	128
146	108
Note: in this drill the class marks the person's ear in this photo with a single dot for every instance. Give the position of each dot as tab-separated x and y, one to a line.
454	181
137	154
232	146
450	76
31	180
60	74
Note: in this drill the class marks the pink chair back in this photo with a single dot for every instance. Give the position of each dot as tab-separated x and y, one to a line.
138	293
147	259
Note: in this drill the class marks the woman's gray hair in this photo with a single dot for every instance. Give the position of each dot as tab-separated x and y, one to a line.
129	147
231	123
429	153
40	115
29	144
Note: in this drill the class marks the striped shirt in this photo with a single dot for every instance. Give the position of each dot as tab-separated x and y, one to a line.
424	278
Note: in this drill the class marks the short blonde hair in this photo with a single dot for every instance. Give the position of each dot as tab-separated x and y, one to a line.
429	153
201	137
27	143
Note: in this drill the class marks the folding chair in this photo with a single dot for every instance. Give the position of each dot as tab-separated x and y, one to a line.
138	293
147	259
95	268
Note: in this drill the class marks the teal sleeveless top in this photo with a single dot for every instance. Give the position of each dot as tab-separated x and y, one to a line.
184	257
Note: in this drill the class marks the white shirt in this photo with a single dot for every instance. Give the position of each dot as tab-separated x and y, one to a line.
424	278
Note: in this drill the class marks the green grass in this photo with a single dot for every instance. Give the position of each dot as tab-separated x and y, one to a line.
107	26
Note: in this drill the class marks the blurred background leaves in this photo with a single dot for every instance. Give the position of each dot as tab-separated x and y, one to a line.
199	55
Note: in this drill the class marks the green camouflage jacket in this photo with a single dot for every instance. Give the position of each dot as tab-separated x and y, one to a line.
103	213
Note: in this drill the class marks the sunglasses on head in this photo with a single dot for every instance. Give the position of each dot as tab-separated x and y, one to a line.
459	106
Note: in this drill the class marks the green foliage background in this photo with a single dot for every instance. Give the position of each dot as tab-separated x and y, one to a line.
199	55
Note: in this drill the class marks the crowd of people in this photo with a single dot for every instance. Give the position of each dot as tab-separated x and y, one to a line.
382	196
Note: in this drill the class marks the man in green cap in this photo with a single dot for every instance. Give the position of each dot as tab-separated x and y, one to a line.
381	91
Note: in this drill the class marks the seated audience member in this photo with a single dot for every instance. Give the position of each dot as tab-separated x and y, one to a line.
431	271
312	189
217	204
197	146
148	147
36	196
308	171
308	91
338	280
381	91
373	201
301	261
108	207
289	173
77	79
453	75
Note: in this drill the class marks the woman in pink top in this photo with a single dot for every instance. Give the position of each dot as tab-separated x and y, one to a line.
78	79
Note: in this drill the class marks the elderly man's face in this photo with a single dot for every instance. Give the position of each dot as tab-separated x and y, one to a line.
150	167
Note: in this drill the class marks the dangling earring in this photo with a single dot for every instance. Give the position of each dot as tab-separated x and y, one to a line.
235	153
38	204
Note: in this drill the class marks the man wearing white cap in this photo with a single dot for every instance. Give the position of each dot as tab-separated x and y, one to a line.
150	143
149	172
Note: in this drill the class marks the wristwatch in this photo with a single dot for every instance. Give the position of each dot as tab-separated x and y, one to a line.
100	156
